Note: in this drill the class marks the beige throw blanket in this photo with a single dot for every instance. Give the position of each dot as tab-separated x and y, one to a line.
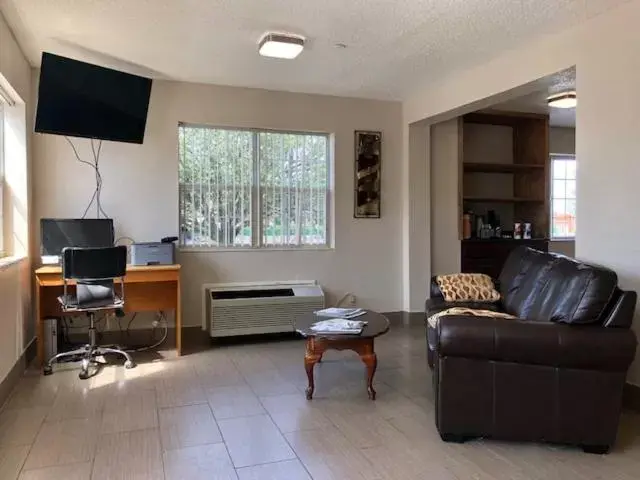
433	319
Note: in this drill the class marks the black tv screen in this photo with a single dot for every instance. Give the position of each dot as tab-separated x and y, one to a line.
79	99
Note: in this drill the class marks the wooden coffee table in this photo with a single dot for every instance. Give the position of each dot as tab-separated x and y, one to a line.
318	343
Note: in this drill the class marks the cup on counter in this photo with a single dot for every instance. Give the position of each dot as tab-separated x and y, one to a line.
527	231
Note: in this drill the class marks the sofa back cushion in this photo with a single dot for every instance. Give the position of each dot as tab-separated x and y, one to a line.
547	287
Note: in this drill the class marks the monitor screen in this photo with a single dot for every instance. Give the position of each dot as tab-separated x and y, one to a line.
58	233
79	99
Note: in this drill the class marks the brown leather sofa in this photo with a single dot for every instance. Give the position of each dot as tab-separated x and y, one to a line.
555	374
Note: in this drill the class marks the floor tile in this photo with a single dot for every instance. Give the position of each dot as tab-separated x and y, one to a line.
11	460
129	455
204	462
367	430
188	426
20	427
126	410
254	440
77	471
77	402
33	391
63	442
230	402
294	412
327	454
178	388
271	383
289	470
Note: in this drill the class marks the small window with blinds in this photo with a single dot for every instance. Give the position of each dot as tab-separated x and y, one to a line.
253	188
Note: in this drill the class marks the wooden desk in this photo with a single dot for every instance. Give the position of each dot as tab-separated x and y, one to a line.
147	289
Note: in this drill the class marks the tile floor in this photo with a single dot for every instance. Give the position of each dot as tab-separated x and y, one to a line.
239	412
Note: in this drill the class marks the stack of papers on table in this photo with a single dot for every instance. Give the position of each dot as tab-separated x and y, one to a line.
341	312
338	326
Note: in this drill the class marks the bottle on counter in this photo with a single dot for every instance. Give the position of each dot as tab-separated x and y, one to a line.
466	226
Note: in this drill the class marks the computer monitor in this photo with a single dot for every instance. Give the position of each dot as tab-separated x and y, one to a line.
58	233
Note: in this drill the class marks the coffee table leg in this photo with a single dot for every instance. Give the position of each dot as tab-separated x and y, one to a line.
371	361
310	359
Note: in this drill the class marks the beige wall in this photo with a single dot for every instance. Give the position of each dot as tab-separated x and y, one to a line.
16	325
562	140
445	214
140	189
607	140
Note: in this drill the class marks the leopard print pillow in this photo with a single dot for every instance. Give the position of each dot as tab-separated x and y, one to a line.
465	287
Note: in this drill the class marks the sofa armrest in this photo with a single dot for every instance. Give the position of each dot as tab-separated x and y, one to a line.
518	341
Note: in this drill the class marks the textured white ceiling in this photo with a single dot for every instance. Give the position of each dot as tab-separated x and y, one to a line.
393	46
536	102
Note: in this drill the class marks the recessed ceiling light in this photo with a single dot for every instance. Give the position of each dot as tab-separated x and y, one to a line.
280	45
563	100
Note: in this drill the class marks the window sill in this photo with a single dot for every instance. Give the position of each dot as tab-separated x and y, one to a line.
6	262
562	239
250	249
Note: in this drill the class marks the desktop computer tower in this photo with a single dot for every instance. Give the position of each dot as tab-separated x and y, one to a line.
51	337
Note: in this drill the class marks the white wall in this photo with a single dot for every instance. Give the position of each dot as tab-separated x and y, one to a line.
140	189
445	212
607	140
16	325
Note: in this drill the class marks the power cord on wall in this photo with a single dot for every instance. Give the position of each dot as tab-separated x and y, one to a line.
95	164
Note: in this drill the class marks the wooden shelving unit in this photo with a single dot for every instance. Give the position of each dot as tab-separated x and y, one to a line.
472	167
503	200
515	185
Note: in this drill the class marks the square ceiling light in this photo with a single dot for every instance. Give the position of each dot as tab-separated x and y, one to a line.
279	45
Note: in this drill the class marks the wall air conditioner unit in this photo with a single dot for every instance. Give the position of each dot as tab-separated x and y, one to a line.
255	308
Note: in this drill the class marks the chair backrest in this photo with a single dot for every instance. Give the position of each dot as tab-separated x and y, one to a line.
94	271
91	264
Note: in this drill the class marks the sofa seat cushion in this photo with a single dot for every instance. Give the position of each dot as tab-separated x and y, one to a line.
469	313
516	341
464	287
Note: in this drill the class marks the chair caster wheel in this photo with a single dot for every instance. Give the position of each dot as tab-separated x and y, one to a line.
47	370
129	364
83	375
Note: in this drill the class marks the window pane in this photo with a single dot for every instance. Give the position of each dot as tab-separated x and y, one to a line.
293	183
559	189
558	206
571	169
215	173
559	169
571	189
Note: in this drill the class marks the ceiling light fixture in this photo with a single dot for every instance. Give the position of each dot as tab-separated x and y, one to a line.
563	100
280	45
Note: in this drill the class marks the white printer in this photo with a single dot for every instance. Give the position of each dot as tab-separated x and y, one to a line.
153	253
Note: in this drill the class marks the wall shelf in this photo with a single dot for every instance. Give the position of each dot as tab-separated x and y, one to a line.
502	167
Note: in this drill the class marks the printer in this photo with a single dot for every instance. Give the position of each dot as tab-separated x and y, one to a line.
153	253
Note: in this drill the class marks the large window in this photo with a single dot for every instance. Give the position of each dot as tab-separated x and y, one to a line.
563	196
253	188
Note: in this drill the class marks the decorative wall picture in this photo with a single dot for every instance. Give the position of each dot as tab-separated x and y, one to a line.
367	174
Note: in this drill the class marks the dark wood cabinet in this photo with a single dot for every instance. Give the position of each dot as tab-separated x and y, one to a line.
488	256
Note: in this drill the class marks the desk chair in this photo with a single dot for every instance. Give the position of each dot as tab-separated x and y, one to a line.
95	272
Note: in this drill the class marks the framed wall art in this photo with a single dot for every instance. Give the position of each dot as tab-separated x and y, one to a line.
368	146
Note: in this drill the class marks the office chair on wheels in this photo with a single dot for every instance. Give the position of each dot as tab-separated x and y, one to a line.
95	272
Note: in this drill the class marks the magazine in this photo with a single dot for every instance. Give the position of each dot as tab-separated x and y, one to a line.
336	312
339	326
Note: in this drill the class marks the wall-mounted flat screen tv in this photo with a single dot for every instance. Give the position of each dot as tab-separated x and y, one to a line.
80	99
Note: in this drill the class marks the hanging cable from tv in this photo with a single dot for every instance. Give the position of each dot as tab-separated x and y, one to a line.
95	165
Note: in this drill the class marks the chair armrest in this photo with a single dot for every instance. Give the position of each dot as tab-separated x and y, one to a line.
518	341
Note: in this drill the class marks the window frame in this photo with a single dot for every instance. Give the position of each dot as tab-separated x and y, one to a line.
256	204
552	158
